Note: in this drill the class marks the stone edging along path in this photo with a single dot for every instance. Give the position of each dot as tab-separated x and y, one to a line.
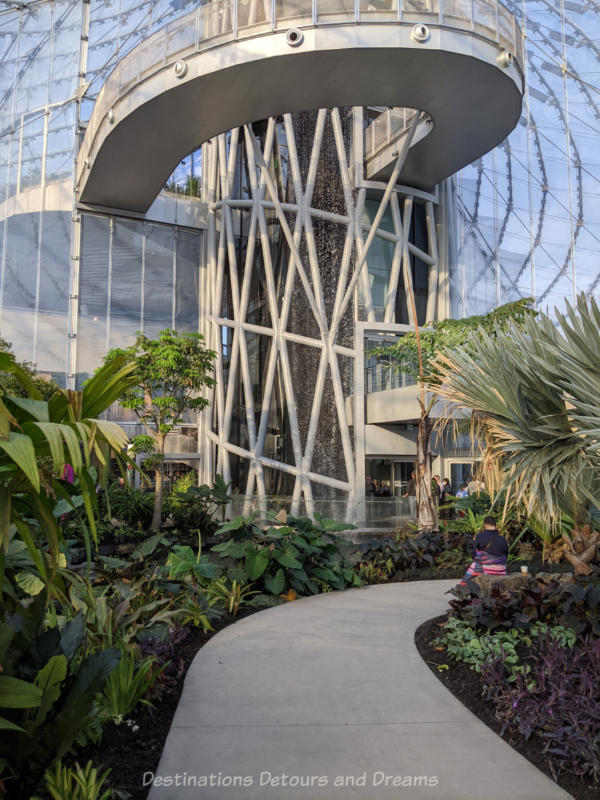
327	698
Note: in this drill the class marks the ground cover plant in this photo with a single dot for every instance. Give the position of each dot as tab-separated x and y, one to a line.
534	659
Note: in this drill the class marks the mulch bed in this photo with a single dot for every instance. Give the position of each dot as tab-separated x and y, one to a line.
130	754
465	684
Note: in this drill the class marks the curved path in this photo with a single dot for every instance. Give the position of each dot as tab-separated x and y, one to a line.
333	686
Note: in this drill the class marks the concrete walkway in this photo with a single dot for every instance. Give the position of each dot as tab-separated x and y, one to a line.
327	698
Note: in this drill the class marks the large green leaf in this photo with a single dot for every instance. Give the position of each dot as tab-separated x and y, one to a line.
38	409
275	583
55	442
19	449
257	562
234	525
6	725
15	693
286	559
31	584
72	636
49	679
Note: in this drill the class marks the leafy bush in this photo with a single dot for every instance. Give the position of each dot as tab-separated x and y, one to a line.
573	605
462	643
400	554
557	701
130	506
47	691
298	554
194	507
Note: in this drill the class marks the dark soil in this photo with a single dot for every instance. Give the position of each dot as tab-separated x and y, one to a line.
465	684
129	754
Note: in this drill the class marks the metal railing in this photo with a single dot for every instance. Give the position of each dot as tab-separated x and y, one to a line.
380	377
223	21
386	128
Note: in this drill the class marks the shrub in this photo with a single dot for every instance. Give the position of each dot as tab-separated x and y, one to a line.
557	701
400	554
298	554
574	605
47	691
194	507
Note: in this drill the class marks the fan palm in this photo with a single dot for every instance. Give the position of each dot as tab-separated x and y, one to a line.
535	392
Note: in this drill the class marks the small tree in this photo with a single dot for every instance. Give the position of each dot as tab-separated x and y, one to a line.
414	355
172	370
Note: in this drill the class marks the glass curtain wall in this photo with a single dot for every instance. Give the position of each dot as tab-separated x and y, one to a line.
528	213
54	58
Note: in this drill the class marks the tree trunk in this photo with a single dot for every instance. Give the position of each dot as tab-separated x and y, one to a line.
158	483
427	518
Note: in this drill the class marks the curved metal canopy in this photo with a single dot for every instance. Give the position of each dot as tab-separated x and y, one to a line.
163	101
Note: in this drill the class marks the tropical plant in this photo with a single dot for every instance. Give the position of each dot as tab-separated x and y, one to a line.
194	507
229	595
462	643
557	702
574	605
534	389
76	783
47	691
399	554
129	505
294	552
37	439
125	611
171	371
126	686
416	353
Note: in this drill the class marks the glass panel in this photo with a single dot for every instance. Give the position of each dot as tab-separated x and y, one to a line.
253	12
292	9
61	143
335	10
93	293
55	261
18	328
65	55
485	17
20	277
152	52
126	281
158	279
506	29
373	10
51	348
31	150
420	10
457	13
216	19
181	36
186	284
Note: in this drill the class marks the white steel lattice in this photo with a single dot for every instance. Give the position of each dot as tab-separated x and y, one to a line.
296	221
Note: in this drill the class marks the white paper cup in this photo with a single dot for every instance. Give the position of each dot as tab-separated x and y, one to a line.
524	570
